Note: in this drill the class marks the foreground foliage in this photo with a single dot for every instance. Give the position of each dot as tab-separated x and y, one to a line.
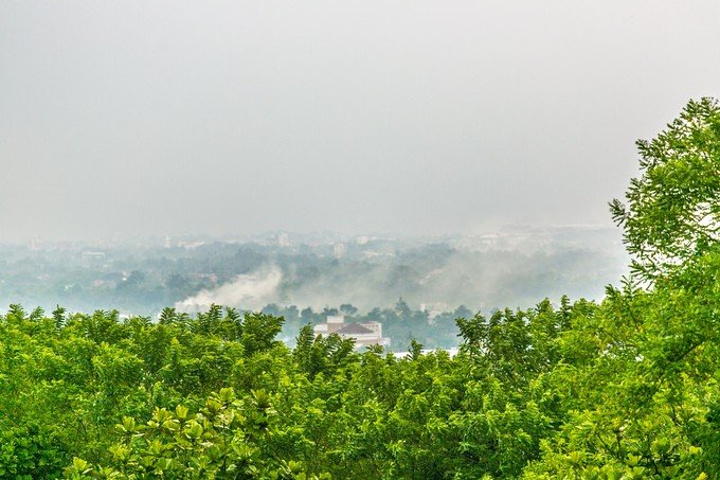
623	389
626	388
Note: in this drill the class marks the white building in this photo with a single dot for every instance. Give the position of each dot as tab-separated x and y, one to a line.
283	240
364	334
339	250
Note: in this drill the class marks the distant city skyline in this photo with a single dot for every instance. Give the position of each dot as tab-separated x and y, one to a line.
290	238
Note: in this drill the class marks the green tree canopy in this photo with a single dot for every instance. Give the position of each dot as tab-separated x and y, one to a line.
673	208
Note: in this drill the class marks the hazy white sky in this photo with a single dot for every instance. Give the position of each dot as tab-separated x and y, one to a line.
170	117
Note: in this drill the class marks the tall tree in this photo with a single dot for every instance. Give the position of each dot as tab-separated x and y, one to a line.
673	207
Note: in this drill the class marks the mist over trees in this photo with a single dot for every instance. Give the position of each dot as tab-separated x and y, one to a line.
288	273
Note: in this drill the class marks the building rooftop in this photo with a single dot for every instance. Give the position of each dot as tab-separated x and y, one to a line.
354	329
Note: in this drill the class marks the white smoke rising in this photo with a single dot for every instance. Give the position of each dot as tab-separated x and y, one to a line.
253	290
479	279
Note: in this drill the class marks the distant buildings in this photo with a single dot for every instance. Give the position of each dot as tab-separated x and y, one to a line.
364	334
191	245
283	240
362	240
35	244
339	250
93	255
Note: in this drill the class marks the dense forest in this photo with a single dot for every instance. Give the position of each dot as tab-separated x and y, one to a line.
625	387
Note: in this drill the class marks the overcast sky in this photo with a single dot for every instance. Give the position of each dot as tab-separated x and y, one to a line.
176	117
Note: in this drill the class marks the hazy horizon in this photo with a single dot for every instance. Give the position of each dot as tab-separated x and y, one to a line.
298	237
233	118
513	267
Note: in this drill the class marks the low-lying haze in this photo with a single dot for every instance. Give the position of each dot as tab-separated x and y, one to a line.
514	267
